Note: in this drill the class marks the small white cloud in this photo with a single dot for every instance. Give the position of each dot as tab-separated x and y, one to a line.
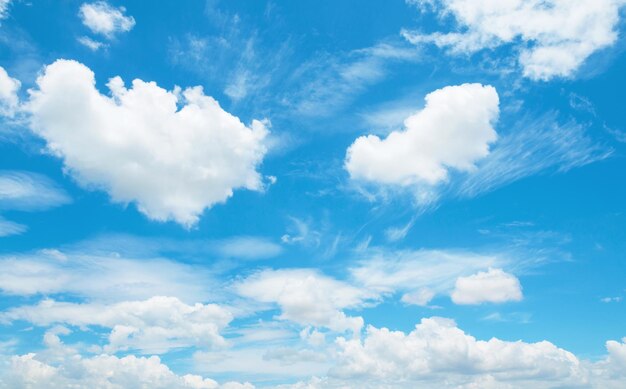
492	286
139	146
453	131
9	101
611	299
26	191
91	44
8	228
4	8
102	18
421	274
420	297
248	247
307	297
553	37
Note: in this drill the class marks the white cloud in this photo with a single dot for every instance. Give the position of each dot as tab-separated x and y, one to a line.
306	297
530	147
26	191
102	278
4	8
155	325
553	37
453	131
248	247
8	228
9	101
438	350
102	18
325	84
493	286
91	44
419	275
140	147
71	370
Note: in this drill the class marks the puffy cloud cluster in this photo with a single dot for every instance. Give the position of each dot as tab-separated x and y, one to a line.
493	286
307	297
174	153
61	367
553	37
453	131
102	18
438	349
155	325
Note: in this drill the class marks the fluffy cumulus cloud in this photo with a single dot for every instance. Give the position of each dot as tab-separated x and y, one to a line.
554	37
155	325
102	18
438	350
9	87
307	297
174	153
453	131
492	286
60	366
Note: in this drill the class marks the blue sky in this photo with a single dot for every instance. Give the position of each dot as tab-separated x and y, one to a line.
306	194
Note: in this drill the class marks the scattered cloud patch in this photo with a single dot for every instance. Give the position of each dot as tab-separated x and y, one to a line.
155	325
91	44
419	275
4	8
60	366
104	19
248	247
27	191
100	278
492	286
550	38
174	153
9	100
307	297
531	147
8	228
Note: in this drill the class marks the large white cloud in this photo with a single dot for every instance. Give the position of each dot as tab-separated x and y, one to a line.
493	286
102	18
554	37
9	87
307	297
438	349
453	131
173	153
156	325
